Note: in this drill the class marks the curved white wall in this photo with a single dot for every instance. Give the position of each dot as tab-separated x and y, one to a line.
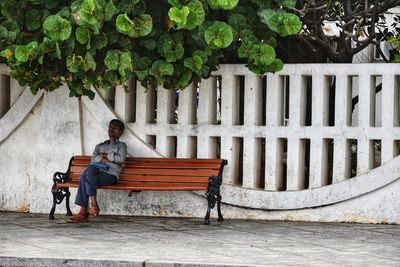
43	132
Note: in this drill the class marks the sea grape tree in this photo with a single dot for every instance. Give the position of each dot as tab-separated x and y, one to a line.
104	43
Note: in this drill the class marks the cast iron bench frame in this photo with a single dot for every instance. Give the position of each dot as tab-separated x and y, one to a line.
154	174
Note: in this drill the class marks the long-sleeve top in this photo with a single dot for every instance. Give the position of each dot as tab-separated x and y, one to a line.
116	153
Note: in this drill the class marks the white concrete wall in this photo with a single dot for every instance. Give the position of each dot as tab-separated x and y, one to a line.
39	134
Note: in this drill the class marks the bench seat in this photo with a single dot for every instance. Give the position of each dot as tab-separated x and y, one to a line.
155	174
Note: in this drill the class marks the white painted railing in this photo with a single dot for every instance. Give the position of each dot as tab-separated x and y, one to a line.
288	131
282	132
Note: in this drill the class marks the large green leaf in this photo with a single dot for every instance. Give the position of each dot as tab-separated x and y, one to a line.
196	14
219	35
22	53
194	63
127	6
247	35
112	59
275	66
284	24
87	11
189	16
90	64
237	21
292	24
262	54
57	28
138	26
123	23
245	49
109	10
65	13
141	63
99	41
202	54
3	33
223	4
180	78
160	69
266	14
179	16
7	53
172	50
142	74
48	46
75	63
144	23
175	3
112	77
82	34
125	63
184	78
33	19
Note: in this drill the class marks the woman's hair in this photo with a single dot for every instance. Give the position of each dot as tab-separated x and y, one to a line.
118	123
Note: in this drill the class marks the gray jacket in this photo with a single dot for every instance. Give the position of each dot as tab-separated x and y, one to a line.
116	153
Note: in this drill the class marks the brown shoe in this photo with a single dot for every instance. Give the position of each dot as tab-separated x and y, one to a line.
94	211
78	218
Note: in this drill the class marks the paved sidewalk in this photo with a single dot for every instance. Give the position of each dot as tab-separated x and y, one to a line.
33	240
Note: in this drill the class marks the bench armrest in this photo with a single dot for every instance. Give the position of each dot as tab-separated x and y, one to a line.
60	177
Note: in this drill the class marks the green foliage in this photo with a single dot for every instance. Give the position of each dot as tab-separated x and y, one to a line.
219	35
103	43
395	53
57	28
136	27
283	23
223	4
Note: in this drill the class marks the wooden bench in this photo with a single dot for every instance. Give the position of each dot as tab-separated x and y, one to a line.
155	174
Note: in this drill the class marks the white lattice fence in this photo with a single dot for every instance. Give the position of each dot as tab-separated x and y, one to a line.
288	131
281	132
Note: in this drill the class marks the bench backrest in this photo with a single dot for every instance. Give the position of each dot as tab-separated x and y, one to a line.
158	173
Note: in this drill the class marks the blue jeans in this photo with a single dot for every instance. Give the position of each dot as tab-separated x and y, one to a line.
89	181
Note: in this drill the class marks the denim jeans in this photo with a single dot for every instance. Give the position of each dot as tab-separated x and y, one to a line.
89	181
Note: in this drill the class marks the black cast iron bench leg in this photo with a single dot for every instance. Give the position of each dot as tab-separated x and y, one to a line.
53	208
220	218
58	197
69	212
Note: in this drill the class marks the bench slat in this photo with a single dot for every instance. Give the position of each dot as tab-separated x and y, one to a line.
86	159
154	178
163	165
145	186
177	172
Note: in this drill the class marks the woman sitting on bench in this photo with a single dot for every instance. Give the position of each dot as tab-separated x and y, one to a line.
104	169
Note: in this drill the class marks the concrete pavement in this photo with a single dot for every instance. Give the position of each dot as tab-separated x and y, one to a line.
33	240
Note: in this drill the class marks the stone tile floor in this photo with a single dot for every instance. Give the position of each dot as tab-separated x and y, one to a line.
33	240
